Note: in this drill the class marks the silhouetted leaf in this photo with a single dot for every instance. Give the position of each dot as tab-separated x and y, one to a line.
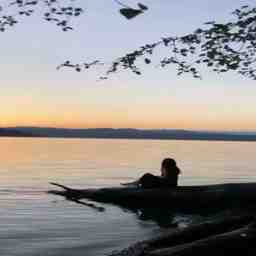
130	13
147	61
143	7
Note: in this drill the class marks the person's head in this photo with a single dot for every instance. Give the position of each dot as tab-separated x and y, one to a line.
169	167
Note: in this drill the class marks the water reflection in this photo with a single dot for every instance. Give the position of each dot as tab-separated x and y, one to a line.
31	224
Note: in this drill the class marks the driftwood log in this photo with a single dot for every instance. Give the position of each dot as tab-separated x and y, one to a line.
184	197
209	238
221	236
74	196
238	242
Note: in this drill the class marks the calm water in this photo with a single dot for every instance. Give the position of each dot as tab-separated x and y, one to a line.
35	223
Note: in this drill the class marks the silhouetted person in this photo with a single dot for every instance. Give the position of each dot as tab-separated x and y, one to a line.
168	178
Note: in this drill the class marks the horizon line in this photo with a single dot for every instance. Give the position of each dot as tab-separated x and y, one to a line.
128	128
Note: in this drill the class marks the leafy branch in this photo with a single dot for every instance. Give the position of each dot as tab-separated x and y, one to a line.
222	47
58	12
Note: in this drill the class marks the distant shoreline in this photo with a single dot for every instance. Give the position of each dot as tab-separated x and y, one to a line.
133	134
116	138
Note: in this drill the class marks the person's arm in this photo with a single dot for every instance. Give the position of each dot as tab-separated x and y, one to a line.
135	183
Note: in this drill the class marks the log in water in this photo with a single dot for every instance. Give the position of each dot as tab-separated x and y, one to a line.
184	197
216	237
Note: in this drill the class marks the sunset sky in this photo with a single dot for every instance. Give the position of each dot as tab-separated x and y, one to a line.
34	93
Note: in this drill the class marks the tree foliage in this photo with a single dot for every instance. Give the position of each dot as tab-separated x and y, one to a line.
222	47
58	12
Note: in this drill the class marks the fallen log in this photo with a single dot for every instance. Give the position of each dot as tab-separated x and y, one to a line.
199	231
74	196
220	236
237	242
183	197
176	238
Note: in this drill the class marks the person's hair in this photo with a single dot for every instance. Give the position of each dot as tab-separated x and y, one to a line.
170	166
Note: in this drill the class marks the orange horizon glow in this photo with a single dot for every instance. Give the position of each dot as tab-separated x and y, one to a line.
159	116
193	109
186	124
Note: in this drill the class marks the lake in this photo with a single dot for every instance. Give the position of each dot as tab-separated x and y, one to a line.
36	223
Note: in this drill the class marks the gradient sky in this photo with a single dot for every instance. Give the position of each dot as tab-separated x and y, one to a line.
33	93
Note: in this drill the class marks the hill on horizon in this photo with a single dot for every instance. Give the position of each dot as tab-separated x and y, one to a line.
127	133
12	132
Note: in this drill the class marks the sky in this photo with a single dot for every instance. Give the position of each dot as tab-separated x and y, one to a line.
34	93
